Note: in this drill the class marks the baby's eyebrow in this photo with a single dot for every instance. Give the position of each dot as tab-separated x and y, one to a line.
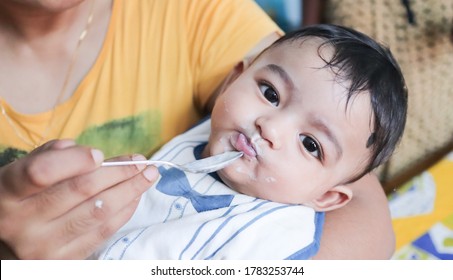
282	73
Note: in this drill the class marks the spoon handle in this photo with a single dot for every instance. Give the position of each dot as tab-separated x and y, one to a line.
130	162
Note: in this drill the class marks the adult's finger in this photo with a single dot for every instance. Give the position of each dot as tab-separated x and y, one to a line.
43	168
66	195
106	204
93	221
87	221
85	245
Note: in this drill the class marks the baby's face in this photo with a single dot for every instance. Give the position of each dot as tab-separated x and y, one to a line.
287	114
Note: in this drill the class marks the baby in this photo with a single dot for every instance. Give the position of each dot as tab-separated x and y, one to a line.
315	111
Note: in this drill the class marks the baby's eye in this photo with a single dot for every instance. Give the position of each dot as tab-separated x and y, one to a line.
270	94
311	145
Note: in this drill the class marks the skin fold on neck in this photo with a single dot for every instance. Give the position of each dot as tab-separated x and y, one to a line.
38	44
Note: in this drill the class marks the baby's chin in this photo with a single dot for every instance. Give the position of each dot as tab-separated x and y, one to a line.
240	182
230	177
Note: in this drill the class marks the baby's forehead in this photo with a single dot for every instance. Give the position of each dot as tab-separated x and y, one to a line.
308	51
303	43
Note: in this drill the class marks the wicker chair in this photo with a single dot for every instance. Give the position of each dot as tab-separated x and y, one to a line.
420	34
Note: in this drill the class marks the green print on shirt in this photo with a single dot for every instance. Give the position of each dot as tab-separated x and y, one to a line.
9	154
135	134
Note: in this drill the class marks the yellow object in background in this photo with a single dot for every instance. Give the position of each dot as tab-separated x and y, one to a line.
422	213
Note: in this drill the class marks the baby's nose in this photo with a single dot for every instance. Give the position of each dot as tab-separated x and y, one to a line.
271	130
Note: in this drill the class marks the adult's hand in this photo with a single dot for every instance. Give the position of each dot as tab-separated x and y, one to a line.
56	203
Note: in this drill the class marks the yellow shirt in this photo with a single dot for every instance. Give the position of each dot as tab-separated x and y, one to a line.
160	61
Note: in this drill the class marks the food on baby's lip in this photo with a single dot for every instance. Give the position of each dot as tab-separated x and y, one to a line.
241	143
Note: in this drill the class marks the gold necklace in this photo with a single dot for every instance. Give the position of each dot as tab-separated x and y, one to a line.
29	141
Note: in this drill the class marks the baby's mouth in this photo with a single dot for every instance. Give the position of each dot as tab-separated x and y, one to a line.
242	144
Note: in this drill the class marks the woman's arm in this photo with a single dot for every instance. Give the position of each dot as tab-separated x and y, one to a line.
363	228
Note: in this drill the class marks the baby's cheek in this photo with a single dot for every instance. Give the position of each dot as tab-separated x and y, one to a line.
240	172
270	180
224	144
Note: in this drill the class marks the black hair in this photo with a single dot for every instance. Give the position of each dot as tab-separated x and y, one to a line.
369	67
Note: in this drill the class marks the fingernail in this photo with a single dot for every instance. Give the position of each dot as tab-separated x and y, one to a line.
150	174
98	156
138	157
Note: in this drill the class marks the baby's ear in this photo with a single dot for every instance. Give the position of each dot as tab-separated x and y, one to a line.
238	69
231	77
334	198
